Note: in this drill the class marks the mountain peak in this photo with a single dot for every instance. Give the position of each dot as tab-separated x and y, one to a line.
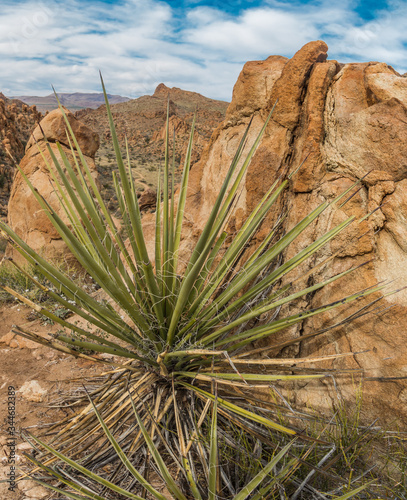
161	89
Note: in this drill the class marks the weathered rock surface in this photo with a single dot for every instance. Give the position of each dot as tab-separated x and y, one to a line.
25	215
16	123
53	127
147	199
349	121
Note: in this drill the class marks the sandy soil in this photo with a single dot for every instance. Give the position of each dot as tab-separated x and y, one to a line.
22	361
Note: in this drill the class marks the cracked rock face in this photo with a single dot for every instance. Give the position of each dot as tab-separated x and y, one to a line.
25	215
350	121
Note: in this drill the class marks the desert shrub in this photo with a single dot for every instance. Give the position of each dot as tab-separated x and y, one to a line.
186	370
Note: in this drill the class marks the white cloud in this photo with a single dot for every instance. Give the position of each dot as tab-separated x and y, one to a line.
256	32
140	43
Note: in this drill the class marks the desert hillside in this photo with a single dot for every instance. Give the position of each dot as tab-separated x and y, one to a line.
142	121
261	284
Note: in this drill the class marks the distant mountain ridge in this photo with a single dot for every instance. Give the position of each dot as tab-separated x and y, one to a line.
74	101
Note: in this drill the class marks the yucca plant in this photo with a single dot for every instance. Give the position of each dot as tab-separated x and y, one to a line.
185	339
266	483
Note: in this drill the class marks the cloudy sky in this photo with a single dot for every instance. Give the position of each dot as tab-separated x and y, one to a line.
192	44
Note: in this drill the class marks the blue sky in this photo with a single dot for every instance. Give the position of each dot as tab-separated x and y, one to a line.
192	44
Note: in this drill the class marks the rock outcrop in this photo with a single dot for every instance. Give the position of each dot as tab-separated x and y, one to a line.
17	120
25	215
350	122
147	200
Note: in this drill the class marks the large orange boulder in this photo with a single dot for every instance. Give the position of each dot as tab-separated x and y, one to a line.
25	215
348	121
53	127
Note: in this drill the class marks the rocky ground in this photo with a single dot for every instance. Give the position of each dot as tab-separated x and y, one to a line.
141	121
39	377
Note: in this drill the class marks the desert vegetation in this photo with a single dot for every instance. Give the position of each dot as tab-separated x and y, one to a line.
189	409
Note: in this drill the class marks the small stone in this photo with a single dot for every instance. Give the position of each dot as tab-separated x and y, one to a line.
15	341
37	492
106	356
6	339
37	354
32	391
26	484
24	446
148	199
